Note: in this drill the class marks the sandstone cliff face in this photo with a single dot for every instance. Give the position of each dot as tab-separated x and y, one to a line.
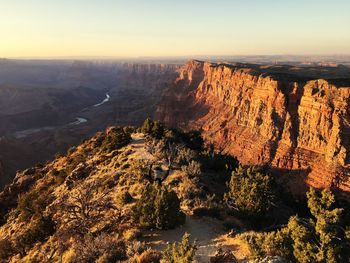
299	127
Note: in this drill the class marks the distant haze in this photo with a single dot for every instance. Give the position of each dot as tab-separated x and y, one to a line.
133	28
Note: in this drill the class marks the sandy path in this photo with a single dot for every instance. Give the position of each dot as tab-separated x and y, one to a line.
208	232
205	230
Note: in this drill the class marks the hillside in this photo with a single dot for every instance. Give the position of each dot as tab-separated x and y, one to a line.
126	193
101	171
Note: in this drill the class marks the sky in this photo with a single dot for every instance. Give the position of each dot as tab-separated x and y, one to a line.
133	28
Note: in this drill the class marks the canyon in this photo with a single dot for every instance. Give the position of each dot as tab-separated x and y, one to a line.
40	100
294	119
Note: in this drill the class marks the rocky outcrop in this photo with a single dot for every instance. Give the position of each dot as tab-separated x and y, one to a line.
299	127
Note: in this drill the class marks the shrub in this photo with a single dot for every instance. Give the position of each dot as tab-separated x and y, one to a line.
132	234
250	191
116	137
149	256
219	162
193	169
307	240
82	209
102	249
147	126
135	248
157	130
6	249
122	198
158	208
184	252
38	231
34	202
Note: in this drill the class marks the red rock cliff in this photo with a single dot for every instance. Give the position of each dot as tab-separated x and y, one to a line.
300	128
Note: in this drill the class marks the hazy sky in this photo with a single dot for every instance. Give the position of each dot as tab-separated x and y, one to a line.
173	27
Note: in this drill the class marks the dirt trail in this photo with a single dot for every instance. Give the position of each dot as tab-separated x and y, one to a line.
138	145
205	230
208	232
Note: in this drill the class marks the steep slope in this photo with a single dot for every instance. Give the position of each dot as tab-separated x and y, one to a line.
267	115
82	205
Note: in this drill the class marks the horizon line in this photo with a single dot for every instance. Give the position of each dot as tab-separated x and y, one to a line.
168	56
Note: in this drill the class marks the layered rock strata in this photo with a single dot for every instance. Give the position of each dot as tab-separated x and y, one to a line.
301	128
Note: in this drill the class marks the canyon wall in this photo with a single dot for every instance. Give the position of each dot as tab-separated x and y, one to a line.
301	128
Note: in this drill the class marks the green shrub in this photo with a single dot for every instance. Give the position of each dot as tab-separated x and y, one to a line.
184	252
158	208
307	240
116	137
250	191
153	128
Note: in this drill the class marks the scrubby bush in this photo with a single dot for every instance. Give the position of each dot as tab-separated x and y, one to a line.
34	202
148	256
153	128
38	231
116	137
84	208
185	155
184	252
219	162
135	248
132	234
123	197
250	191
6	249
320	239
102	249
158	208
193	169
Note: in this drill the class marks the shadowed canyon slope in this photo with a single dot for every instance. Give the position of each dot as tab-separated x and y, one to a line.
296	119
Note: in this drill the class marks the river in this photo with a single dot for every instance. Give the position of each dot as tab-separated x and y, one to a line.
78	121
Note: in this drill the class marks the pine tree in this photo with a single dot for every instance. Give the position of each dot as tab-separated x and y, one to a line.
184	252
167	209
157	130
147	126
250	191
328	226
159	208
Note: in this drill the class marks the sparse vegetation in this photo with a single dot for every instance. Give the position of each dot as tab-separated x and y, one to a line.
101	201
318	239
101	249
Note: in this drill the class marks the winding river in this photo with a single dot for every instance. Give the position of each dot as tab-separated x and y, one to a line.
104	101
78	121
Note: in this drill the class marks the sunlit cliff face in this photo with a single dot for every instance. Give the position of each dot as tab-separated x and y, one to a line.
297	125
